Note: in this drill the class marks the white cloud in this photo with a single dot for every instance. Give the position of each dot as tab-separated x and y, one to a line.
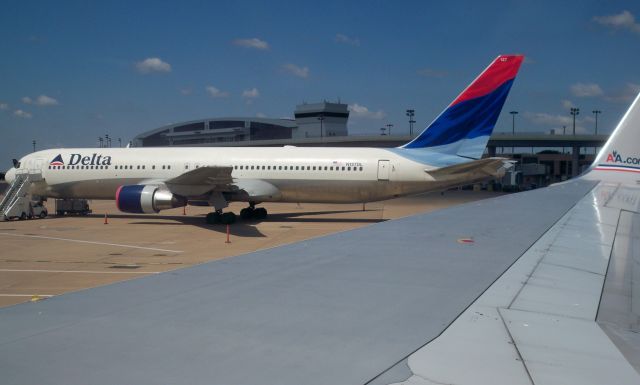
186	91
358	111
585	90
431	73
301	72
22	114
254	43
625	94
153	64
261	115
251	94
567	104
215	92
44	100
623	20
557	121
344	39
4	106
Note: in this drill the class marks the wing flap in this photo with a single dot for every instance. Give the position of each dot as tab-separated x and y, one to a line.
207	175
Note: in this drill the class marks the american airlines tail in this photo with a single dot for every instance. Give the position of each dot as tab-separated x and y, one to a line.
619	159
446	154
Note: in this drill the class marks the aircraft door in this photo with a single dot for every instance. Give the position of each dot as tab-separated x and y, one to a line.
383	169
37	167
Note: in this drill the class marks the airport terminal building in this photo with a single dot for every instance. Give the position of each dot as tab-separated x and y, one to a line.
315	120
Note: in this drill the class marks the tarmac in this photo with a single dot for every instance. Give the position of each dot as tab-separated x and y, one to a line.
41	258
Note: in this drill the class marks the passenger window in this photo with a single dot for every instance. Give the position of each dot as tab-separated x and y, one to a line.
153	167
314	168
348	168
360	168
308	167
268	167
343	168
325	168
263	167
279	167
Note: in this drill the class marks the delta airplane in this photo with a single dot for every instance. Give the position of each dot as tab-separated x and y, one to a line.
146	180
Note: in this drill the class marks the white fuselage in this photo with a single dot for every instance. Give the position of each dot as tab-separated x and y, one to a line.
300	174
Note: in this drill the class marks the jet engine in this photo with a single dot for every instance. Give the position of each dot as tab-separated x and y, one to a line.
146	199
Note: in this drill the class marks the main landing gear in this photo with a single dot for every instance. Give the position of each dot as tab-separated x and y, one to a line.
218	217
252	212
227	218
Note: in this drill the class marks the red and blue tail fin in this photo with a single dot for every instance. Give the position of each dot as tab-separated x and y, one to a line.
465	126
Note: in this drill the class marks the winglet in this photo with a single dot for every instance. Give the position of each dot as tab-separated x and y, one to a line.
465	126
619	159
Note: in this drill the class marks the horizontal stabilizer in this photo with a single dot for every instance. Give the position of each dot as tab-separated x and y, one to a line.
491	167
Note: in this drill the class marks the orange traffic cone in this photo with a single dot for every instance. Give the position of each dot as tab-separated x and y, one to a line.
106	221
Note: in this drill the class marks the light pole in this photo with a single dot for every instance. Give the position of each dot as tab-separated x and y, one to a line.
574	111
383	129
389	126
596	112
411	114
321	118
100	141
107	140
119	142
513	128
34	145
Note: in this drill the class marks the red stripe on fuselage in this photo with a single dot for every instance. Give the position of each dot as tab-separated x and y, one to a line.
502	69
615	169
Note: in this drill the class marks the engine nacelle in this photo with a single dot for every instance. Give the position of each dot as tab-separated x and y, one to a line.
146	199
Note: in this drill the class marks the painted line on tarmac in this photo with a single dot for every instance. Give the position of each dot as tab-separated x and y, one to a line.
26	295
90	242
76	271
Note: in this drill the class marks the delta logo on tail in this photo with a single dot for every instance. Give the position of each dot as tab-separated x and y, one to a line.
464	127
57	161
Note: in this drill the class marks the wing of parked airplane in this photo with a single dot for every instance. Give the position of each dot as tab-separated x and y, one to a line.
539	287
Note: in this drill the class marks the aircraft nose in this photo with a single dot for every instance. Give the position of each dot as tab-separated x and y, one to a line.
10	175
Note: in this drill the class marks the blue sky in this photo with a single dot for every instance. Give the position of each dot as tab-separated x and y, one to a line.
72	71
